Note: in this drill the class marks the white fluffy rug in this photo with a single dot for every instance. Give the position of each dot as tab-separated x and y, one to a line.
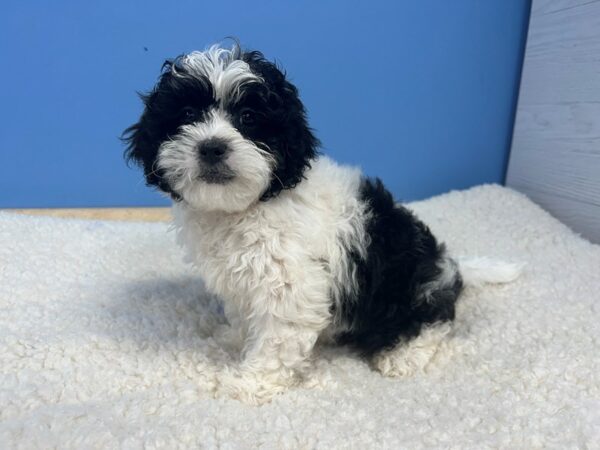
107	340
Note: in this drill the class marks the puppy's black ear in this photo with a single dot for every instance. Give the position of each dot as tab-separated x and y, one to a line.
143	139
134	136
296	145
299	144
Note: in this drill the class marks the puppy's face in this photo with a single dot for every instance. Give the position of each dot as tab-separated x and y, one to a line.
222	130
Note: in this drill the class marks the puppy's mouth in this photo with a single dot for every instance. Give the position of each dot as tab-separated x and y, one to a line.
216	174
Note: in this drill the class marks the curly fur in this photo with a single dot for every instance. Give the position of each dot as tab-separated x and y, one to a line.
297	247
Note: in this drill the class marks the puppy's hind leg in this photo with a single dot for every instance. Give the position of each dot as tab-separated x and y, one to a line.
414	355
435	306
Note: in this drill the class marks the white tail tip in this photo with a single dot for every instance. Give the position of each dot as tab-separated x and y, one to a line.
479	271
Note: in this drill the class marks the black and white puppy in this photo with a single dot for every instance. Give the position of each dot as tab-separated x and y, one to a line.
297	247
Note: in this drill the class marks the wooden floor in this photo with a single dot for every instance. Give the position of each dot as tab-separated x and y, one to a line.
126	214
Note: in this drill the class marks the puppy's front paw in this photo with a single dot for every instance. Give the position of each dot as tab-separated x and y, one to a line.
414	356
399	363
249	387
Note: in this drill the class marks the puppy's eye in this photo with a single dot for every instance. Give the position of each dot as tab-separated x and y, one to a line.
189	114
248	118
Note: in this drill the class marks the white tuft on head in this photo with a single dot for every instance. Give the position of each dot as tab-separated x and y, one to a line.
223	68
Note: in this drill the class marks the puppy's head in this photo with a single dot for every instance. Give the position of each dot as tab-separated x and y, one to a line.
221	130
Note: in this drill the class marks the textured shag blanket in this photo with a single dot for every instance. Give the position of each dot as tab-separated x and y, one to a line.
107	339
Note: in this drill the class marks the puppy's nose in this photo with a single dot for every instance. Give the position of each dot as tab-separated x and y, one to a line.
213	151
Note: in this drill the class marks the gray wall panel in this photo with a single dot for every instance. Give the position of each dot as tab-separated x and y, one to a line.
555	155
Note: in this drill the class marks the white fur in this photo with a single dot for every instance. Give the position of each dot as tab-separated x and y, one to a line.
226	73
479	271
276	265
250	165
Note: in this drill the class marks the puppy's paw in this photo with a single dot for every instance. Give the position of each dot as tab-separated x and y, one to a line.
398	363
249	387
414	356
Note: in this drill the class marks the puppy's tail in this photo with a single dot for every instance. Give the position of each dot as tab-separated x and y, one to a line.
477	272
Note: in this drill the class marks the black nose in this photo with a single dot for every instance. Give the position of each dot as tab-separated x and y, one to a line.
211	152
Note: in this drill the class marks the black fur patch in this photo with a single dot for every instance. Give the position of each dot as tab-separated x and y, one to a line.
171	104
401	257
285	130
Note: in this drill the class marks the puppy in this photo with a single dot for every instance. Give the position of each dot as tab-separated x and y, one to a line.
297	247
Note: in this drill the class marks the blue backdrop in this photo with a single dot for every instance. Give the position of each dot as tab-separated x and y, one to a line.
421	93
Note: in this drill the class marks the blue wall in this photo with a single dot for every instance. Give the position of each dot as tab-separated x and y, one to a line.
421	93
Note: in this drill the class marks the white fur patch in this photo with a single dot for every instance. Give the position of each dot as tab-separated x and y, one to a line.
479	271
251	166
276	266
220	66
